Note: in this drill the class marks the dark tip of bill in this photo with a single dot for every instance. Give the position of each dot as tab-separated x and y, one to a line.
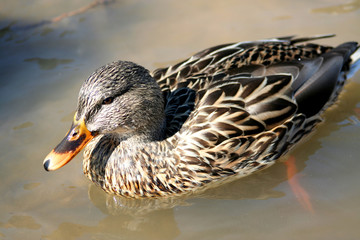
46	164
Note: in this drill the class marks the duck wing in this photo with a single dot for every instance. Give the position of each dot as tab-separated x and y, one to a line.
244	118
233	55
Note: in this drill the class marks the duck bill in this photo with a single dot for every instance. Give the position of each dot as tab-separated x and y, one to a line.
75	140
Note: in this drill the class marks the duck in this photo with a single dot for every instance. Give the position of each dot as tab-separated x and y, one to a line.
224	113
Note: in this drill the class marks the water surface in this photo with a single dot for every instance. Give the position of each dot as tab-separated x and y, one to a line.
42	67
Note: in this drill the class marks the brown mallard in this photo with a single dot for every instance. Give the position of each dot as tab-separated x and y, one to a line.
224	113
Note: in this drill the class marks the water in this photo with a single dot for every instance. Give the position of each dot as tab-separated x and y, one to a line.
42	68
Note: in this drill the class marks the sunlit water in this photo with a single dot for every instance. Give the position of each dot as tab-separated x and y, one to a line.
42	68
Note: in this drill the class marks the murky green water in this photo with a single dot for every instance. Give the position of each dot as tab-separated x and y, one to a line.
42	68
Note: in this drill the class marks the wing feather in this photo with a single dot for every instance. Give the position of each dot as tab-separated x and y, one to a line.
249	107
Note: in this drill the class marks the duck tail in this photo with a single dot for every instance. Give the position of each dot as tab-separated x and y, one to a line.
330	70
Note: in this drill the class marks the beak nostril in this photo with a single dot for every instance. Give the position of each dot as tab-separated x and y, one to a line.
74	133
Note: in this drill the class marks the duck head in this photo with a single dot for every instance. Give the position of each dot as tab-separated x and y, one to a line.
120	98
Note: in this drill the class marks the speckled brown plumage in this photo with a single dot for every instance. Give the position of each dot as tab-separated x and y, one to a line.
224	113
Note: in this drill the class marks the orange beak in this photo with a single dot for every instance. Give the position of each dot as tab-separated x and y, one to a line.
75	140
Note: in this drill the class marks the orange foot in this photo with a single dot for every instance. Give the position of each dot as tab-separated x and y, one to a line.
357	113
299	192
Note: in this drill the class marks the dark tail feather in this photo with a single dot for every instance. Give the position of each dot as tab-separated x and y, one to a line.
313	94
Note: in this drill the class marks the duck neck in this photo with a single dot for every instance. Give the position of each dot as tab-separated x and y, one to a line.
149	134
129	166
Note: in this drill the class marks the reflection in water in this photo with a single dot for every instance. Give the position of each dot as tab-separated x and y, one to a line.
121	226
115	205
21	221
282	18
15	26
66	33
161	224
48	63
5	30
339	9
23	125
46	31
30	186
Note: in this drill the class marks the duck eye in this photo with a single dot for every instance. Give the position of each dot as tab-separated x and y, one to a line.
108	100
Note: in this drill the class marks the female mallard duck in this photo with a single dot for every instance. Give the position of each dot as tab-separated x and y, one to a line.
229	110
